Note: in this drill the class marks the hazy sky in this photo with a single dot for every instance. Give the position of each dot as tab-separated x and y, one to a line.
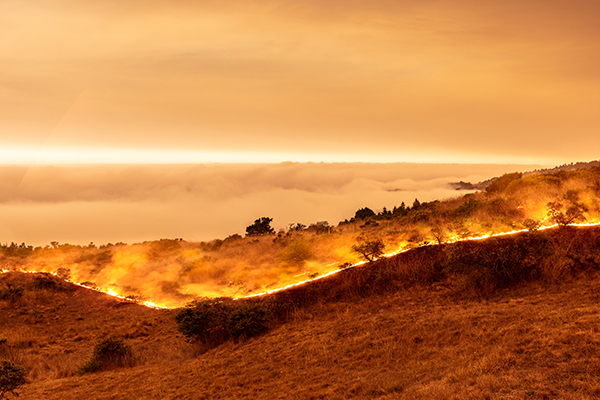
266	81
270	80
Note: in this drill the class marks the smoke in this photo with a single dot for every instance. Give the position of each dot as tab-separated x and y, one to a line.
132	203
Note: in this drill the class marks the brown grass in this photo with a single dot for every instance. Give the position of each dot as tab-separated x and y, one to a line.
53	331
538	340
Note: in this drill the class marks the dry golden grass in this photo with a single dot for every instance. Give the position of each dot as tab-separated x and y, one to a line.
52	331
536	341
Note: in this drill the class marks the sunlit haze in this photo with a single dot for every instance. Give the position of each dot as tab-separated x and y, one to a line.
273	81
153	84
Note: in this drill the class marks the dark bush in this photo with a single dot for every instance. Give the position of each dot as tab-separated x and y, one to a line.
110	353
205	321
212	322
11	293
497	263
48	282
12	376
247	320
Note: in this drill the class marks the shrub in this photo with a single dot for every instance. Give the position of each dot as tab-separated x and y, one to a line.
297	252
564	215
64	273
11	293
248	320
12	376
212	322
205	321
532	225
110	353
47	282
497	263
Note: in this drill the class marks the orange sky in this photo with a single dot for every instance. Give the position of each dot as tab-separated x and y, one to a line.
461	81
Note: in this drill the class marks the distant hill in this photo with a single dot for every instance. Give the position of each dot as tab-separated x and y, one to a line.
565	167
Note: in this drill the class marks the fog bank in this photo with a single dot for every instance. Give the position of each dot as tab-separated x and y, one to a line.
133	203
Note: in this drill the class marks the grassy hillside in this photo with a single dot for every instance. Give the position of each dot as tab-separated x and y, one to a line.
172	271
508	317
512	318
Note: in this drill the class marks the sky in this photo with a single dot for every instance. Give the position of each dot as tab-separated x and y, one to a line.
136	120
252	81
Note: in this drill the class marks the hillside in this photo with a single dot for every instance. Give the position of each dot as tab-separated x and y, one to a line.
172	272
463	332
448	317
532	343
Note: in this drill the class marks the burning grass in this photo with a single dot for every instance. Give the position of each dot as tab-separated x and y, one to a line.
172	272
418	325
465	270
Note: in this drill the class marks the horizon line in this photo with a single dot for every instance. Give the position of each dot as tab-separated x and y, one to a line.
129	156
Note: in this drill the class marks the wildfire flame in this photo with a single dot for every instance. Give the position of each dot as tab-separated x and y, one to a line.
151	304
455	239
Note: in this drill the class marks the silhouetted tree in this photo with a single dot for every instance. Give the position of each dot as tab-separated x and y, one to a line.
261	226
562	217
439	233
370	250
364	213
297	227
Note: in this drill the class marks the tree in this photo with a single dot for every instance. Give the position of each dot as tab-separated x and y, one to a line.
364	213
261	226
297	227
11	377
370	249
439	233
562	217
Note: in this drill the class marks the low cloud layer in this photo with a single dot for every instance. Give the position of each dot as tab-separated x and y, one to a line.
101	204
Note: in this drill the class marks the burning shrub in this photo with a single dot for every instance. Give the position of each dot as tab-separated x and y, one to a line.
565	215
12	376
64	273
110	353
297	252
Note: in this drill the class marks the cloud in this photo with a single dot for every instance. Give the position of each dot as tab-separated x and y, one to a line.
112	203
